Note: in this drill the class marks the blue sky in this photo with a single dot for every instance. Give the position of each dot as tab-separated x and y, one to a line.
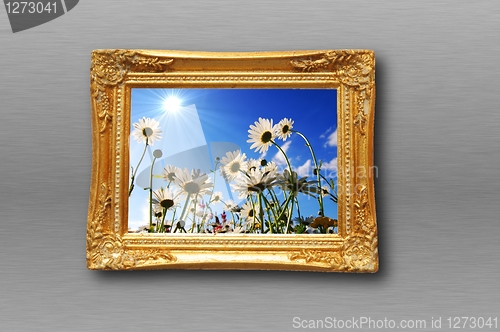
211	121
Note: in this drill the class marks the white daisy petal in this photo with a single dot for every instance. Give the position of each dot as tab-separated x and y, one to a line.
147	129
231	205
216	197
249	211
261	134
233	163
325	191
256	181
168	173
164	199
284	129
253	164
201	185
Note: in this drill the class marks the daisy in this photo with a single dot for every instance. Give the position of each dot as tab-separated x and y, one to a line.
191	185
239	229
158	210
169	173
231	205
261	134
148	130
253	164
197	210
216	197
271	166
143	229
284	129
256	181
249	212
164	199
305	221
233	163
196	173
292	183
325	191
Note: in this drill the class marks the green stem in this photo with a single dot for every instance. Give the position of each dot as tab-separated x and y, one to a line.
135	172
211	195
269	208
289	216
292	181
334	195
273	195
213	187
285	205
298	206
298	211
194	214
320	197
183	210
254	217
173	219
261	212
151	195
232	214
334	198
162	227
284	154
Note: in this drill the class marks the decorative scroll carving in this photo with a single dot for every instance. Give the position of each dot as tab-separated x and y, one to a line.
95	229
331	259
360	119
358	254
107	252
362	206
103	110
352	68
109	68
110	254
360	250
361	254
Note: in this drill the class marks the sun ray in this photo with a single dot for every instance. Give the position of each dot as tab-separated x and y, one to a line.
172	104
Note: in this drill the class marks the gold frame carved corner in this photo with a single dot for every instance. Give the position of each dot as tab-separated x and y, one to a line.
105	249
109	68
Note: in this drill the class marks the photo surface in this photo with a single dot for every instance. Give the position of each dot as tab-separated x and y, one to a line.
219	161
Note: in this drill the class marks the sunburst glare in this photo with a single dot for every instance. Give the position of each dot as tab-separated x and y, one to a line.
172	104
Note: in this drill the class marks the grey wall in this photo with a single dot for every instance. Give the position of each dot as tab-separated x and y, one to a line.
436	150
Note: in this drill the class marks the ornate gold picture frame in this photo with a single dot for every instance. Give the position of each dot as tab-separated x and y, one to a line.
271	226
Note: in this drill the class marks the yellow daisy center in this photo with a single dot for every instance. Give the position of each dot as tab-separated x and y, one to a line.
266	137
235	167
192	187
167	203
147	131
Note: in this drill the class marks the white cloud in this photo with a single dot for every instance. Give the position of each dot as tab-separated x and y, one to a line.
305	169
326	132
330	168
332	139
278	158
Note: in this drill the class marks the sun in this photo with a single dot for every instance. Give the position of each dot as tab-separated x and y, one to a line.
172	104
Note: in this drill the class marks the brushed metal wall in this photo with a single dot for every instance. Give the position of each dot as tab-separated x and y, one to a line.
437	153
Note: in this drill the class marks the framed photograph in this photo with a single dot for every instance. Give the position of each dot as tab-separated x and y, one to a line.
232	161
